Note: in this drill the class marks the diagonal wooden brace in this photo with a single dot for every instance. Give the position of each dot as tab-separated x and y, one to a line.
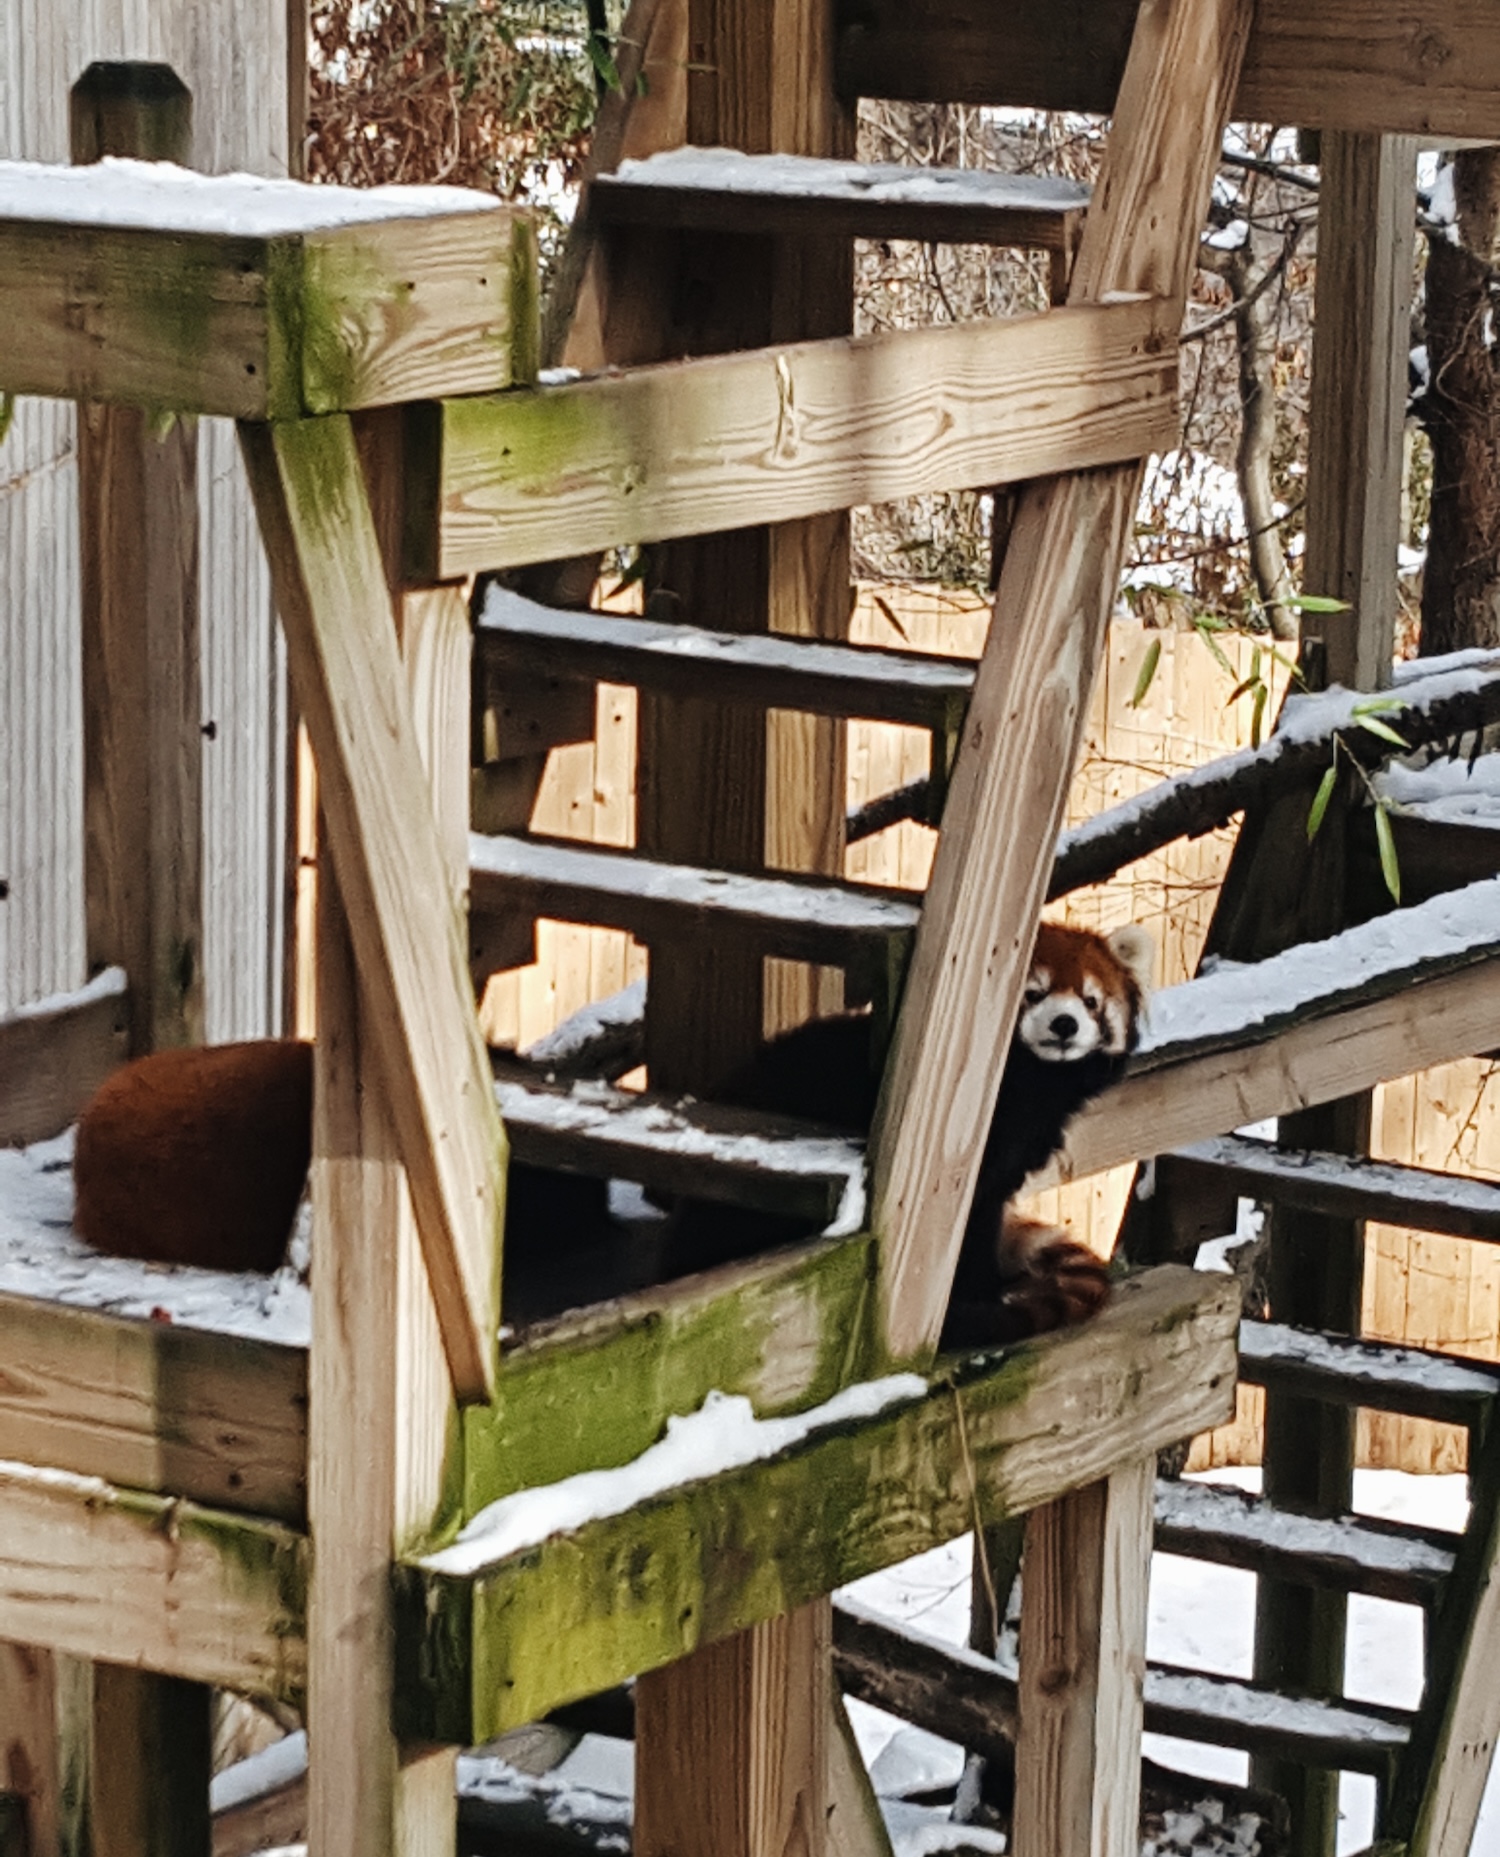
1020	741
331	591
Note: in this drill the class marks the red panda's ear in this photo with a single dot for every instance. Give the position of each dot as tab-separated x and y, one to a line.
1134	949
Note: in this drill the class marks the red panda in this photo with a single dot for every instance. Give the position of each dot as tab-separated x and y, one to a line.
200	1156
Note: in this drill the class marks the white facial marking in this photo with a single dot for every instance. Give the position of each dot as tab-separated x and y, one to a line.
1059	1027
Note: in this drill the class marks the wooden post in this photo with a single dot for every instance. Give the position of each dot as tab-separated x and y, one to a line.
382	1414
1083	1668
1366	234
45	1700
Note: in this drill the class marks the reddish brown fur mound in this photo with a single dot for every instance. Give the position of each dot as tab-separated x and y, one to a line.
198	1156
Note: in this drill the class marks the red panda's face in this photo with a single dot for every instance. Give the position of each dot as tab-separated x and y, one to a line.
1084	992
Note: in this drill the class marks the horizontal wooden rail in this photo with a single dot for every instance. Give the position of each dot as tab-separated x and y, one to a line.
1413	1382
773	434
517	638
483	1651
256	298
708	189
1365	65
152	1581
56	1053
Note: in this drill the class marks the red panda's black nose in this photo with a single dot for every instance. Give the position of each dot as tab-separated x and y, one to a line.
1064	1026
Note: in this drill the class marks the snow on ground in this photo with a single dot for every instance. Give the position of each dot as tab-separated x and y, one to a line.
1450	792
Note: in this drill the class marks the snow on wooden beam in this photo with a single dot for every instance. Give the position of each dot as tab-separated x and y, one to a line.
55	1053
768	435
257	298
488	1643
1306	1364
1363	65
122	1577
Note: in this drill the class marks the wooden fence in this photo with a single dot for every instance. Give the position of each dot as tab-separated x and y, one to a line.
1434	1292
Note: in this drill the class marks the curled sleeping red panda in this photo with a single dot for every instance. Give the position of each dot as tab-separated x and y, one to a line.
199	1156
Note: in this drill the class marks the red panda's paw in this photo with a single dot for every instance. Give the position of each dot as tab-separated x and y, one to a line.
1047	1280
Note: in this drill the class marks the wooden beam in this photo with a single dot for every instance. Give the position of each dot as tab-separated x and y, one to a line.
152	1582
856	1827
45	1703
481	1652
776	433
330	586
176	1411
1020	742
55	1054
133	290
1411	1381
1083	1665
1362	65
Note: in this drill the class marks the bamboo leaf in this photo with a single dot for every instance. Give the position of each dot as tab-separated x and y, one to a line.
603	63
1382	729
1390	867
1320	801
1258	714
1147	673
1239	690
1317	603
7	414
1205	630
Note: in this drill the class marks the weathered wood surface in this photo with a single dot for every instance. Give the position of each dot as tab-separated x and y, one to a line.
1344	1553
1083	1669
1416	1024
683	1146
1457	1205
801	918
44	1703
1363	65
404	921
518	637
1354	1737
1410	1381
772	434
1020	743
722	189
483	1652
946	1688
156	1406
54	1055
166	1585
856	1826
288	317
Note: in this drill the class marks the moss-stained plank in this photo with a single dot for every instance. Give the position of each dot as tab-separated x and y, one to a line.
129	1578
594	1390
773	434
220	1419
482	1653
269	324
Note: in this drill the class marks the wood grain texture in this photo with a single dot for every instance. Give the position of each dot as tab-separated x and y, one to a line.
44	1747
776	433
1083	1666
482	1653
156	1406
856	1827
1021	736
1431	69
53	1059
406	930
1427	1022
104	1573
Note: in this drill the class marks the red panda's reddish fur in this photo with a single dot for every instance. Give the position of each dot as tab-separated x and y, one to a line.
197	1156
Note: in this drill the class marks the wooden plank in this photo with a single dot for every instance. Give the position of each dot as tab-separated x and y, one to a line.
1426	1022
219	1419
44	1703
151	1760
1352	1737
801	918
777	433
1360	65
55	1054
1456	1205
856	1827
517	636
702	189
151	1581
1344	1553
383	1468
482	1652
1083	1666
682	1146
1411	1381
407	935
948	1689
1021	738
135	291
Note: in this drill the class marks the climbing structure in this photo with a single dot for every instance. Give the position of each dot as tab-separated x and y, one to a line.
283	1521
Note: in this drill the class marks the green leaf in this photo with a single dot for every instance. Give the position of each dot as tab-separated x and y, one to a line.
1258	714
1317	603
1390	868
1321	798
7	414
1376	705
1147	673
1205	630
1255	664
1383	730
603	63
